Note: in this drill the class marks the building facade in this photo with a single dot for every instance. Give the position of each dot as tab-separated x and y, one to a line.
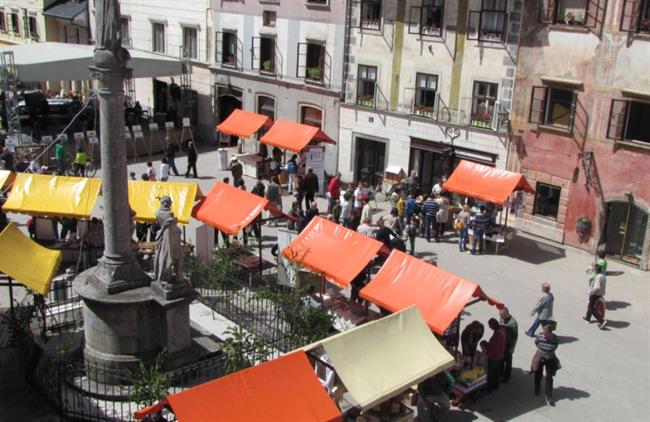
580	124
283	59
429	82
168	27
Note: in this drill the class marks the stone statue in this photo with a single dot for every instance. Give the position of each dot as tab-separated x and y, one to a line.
168	263
109	52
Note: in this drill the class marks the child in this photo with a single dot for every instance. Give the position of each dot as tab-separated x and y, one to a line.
336	210
150	172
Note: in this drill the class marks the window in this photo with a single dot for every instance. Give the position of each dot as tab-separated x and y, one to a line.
268	18
366	85
311	116
425	94
3	23
263	57
191	42
126	32
311	61
227	48
158	37
266	107
426	19
573	12
636	16
317	2
553	106
484	97
15	22
547	200
490	23
628	121
371	14
32	25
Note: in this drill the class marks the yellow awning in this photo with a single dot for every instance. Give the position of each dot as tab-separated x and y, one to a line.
54	196
144	198
4	177
26	261
380	359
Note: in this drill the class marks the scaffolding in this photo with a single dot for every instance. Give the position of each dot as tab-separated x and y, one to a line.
9	80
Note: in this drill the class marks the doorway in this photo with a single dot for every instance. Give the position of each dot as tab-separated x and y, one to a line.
227	103
625	230
371	161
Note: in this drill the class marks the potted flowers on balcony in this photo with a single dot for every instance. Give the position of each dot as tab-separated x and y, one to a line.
583	225
267	66
314	73
482	119
370	23
425	111
366	101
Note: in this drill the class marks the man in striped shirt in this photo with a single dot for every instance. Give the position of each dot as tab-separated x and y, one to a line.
479	225
546	343
429	210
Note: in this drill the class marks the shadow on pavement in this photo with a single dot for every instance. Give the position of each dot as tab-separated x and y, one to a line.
569	393
567	339
533	251
613	305
616	324
457	415
615	273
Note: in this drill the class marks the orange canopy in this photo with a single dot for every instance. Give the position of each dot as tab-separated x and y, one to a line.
293	136
230	209
283	389
485	182
329	248
243	123
405	281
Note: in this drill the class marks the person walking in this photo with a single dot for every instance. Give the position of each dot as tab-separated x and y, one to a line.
170	155
311	187
462	225
164	170
429	209
496	349
236	169
479	225
596	291
543	311
192	157
61	155
545	360
512	333
442	215
292	171
334	191
410	233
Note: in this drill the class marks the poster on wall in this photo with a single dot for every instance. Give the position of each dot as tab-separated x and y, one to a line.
314	158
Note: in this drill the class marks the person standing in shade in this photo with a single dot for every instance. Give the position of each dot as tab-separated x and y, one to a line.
311	187
236	169
512	333
496	349
192	157
292	171
274	195
164	170
170	155
429	209
545	359
479	225
543	311
462	221
597	287
334	191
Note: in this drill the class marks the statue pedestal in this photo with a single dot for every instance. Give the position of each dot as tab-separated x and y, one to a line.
137	324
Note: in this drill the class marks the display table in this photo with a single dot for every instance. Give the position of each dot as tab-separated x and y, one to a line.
251	265
470	381
254	165
347	314
500	236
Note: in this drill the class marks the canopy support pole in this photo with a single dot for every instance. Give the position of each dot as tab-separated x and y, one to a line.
11	296
259	244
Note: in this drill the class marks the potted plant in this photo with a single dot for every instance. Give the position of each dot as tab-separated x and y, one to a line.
583	224
314	73
267	66
569	18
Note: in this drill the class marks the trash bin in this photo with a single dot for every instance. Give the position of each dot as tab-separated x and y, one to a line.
222	154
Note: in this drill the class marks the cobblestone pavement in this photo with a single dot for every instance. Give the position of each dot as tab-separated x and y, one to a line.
605	375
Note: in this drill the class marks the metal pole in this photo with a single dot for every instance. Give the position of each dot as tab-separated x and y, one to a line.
11	296
259	243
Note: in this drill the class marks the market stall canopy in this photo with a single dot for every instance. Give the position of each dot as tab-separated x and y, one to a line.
230	209
144	198
485	182
440	296
283	389
5	175
243	123
339	253
50	61
53	196
26	261
380	359
293	136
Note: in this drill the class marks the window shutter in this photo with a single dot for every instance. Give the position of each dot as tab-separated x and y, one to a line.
218	50
26	26
255	53
548	11
617	119
538	104
595	13
473	23
572	113
301	60
415	15
631	15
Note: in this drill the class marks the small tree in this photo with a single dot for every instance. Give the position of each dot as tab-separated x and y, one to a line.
243	349
150	383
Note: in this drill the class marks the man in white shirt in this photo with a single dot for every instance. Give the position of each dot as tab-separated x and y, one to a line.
164	170
365	228
360	193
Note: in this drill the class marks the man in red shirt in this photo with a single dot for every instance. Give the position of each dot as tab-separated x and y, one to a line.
496	349
334	191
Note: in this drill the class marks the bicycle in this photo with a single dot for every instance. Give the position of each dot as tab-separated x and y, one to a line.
89	170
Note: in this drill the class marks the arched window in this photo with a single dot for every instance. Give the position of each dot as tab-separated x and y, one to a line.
311	116
266	106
